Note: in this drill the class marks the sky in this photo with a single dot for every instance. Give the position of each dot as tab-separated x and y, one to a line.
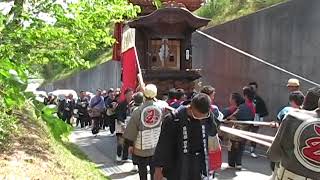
5	8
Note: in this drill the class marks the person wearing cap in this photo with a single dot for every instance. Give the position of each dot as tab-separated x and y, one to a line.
295	148
293	85
143	131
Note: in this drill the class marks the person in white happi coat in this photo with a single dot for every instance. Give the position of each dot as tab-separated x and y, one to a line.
143	131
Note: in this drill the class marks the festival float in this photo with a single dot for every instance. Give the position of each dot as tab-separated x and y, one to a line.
157	44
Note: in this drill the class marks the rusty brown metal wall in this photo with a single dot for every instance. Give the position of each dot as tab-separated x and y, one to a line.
287	35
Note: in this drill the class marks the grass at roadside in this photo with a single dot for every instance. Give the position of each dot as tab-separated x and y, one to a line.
37	151
75	160
221	11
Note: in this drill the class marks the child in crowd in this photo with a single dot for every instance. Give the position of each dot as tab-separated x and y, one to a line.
243	110
296	99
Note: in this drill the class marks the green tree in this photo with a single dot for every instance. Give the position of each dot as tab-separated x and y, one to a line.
37	35
63	33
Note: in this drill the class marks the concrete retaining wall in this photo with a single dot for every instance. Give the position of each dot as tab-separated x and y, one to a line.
287	35
103	76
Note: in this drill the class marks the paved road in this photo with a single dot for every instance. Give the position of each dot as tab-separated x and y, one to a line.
102	151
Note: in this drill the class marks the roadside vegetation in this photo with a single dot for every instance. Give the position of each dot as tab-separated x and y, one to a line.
221	11
47	39
41	39
39	149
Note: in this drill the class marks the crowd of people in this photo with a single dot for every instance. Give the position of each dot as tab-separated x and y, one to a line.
295	149
175	136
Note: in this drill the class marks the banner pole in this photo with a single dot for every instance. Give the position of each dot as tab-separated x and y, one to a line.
140	77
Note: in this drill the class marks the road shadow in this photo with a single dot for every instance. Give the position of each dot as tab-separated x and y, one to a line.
75	150
78	148
260	165
122	175
226	174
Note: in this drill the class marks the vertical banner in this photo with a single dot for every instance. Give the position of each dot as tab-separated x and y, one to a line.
129	71
128	38
128	60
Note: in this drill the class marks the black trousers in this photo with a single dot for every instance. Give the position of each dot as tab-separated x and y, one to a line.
67	117
254	129
96	125
60	115
105	121
122	147
112	123
101	123
235	155
272	165
88	121
83	120
77	121
142	163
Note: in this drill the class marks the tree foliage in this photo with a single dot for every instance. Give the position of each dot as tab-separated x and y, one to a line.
36	34
62	33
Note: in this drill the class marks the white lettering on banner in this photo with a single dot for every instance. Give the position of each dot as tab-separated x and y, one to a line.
148	139
185	139
128	38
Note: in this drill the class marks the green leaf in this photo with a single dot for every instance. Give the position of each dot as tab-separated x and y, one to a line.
5	74
9	101
50	49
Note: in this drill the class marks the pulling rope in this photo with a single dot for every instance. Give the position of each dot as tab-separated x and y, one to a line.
250	122
254	135
245	136
256	58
